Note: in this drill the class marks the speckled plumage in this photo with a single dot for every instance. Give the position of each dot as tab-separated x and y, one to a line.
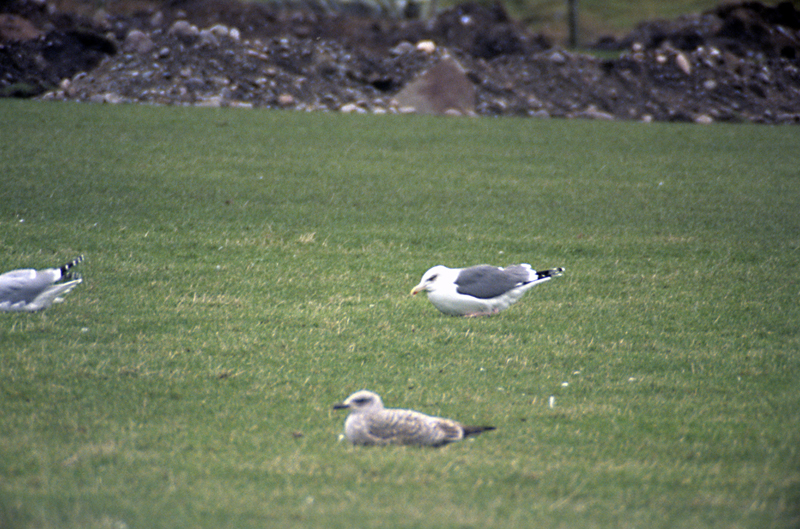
369	423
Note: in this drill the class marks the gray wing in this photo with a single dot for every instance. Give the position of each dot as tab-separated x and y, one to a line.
25	285
485	281
53	294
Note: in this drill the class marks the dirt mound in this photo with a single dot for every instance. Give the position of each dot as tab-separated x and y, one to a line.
748	29
735	63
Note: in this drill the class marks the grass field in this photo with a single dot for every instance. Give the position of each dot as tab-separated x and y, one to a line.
245	270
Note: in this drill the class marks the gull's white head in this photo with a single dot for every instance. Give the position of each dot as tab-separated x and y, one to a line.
432	278
361	402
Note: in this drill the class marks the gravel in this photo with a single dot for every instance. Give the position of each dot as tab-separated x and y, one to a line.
737	63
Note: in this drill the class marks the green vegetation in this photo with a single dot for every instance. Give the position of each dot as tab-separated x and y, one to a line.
597	17
245	270
616	16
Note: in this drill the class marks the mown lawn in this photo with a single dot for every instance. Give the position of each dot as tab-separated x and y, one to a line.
245	270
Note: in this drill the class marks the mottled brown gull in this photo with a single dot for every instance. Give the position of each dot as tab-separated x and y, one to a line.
369	423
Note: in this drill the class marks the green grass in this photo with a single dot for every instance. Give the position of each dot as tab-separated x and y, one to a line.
598	18
614	15
245	270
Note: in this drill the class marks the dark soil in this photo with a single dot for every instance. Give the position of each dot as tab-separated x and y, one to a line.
736	63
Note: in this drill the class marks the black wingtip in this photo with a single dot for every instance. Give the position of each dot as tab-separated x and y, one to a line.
71	276
475	430
70	264
553	272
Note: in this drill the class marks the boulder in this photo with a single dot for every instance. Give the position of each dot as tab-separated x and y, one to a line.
443	89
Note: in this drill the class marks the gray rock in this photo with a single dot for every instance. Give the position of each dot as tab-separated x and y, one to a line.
137	42
183	29
442	89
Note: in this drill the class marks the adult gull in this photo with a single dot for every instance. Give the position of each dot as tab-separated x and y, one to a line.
30	290
369	423
480	290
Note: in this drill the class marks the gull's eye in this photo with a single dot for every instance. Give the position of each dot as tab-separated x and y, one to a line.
433	278
361	401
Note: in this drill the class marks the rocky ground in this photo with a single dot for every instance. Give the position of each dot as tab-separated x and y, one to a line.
737	63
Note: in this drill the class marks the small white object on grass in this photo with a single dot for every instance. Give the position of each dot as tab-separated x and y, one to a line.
29	290
369	423
552	401
480	290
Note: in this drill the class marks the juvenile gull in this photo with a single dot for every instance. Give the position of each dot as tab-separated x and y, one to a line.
30	290
480	290
369	423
